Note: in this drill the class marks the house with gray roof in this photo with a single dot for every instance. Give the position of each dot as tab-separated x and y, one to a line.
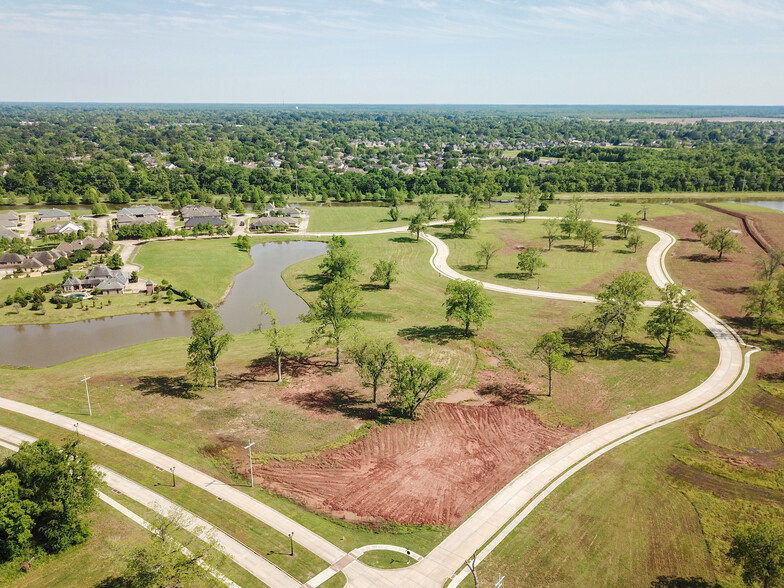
198	210
272	223
53	215
123	220
9	234
9	220
195	221
100	277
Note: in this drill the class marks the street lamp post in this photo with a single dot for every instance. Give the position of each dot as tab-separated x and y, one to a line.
86	389
250	458
291	539
76	426
174	481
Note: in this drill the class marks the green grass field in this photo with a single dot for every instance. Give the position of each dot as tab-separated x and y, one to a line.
386	560
569	267
205	267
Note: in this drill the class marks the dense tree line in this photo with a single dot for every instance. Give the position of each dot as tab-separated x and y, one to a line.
85	155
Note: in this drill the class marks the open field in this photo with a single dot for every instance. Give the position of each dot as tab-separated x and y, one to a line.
355	218
204	267
569	268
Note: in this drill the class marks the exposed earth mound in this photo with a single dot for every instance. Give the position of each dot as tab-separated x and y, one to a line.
434	471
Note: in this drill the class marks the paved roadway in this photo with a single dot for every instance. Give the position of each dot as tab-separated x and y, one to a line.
515	500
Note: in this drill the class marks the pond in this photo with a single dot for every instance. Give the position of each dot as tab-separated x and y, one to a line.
773	204
45	345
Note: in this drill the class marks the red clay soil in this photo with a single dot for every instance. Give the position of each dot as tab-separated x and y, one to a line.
435	471
719	285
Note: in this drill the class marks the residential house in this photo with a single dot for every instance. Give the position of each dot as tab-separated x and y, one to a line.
9	234
95	242
11	261
100	277
273	223
68	228
9	220
53	215
198	210
47	258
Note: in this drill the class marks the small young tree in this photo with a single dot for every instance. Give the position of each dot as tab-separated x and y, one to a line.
551	230
341	261
670	320
385	271
394	213
114	261
551	350
206	345
414	381
723	241
486	252
529	260
334	313
634	240
417	225
573	216
99	209
168	561
763	304
243	243
759	551
768	265
527	202
644	210
701	229
373	359
428	206
279	338
594	237
467	303
626	222
620	303
465	221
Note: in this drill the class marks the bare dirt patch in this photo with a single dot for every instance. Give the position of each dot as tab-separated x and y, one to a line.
720	285
434	471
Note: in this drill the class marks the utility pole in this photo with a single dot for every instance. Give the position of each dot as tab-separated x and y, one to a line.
86	389
250	458
500	582
639	182
743	188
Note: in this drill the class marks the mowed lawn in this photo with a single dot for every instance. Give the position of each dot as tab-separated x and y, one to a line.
204	267
569	267
363	217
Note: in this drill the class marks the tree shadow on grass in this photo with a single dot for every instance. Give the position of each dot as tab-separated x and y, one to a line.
379	317
315	282
440	335
166	386
703	258
470	267
733	289
342	400
403	239
514	276
634	351
372	287
113	582
678	582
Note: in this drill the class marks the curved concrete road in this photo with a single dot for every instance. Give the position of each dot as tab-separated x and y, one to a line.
515	500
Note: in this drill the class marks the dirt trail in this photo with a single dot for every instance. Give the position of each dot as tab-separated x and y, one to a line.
433	472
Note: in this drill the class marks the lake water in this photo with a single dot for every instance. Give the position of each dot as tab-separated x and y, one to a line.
774	204
45	345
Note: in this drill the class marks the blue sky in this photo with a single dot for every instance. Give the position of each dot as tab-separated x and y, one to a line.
394	51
